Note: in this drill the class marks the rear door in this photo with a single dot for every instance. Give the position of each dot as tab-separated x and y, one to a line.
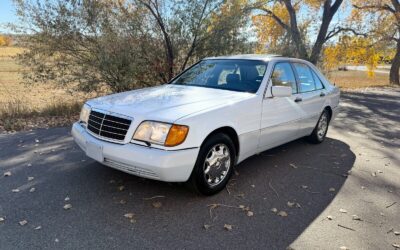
280	115
311	96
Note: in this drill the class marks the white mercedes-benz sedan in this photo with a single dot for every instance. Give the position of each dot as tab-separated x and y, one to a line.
210	117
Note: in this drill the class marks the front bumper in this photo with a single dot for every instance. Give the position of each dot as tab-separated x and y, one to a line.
164	165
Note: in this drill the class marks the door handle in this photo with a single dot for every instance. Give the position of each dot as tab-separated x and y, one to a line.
322	94
298	99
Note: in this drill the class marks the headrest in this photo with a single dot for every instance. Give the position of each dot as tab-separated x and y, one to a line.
232	78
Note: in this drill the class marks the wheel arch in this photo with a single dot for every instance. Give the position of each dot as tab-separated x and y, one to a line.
329	109
229	131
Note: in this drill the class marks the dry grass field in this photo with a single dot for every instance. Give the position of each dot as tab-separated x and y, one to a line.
28	106
358	79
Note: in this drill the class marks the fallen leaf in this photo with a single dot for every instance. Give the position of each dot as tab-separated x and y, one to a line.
282	214
382	214
298	205
23	222
343	210
362	187
121	188
290	204
250	213
395	245
157	204
2	219
228	227
242	206
32	190
15	190
332	190
30	178
355	217
373	174
344	248
274	210
206	227
129	215
67	198
67	206
380	171
8	173
304	186
329	217
349	172
38	228
292	165
396	232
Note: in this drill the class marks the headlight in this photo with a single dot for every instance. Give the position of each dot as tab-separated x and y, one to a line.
161	133
84	116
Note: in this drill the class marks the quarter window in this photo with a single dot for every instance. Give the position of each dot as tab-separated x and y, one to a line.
306	80
283	76
318	83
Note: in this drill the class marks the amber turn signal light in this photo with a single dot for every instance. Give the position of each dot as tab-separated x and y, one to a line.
177	134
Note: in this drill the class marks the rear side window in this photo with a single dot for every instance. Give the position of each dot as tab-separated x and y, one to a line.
306	79
283	76
318	83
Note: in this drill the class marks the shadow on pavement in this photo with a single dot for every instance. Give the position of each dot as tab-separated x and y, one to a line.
171	216
298	172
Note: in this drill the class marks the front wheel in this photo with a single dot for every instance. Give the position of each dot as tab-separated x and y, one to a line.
214	165
319	133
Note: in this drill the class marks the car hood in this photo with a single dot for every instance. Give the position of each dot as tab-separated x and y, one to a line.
166	102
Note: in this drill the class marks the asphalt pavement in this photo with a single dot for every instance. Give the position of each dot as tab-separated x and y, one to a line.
344	192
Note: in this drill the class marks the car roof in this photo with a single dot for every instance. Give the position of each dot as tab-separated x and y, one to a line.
263	57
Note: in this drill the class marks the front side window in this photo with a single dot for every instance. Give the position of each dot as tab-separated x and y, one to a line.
229	74
283	76
306	80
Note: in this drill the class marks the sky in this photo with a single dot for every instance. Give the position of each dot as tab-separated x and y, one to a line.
7	14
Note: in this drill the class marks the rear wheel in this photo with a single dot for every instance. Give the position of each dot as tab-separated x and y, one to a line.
319	133
214	165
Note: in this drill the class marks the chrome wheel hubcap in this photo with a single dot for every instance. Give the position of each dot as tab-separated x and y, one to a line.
322	126
217	164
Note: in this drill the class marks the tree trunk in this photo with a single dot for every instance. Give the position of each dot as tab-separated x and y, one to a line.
394	70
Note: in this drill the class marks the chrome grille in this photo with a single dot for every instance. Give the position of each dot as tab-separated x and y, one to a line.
108	126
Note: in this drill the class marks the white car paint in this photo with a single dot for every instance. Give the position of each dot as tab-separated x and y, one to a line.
260	121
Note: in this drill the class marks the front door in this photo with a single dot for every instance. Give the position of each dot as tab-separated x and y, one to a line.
280	115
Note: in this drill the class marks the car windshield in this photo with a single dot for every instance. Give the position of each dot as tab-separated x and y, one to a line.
229	74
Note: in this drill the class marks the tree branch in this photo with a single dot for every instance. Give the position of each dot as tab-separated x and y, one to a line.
275	17
338	30
375	7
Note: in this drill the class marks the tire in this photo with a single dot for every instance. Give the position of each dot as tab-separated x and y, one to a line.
319	133
219	150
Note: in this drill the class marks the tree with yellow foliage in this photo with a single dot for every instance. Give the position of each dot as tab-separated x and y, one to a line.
5	40
353	50
384	17
276	19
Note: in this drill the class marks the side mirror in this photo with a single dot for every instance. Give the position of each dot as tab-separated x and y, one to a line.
281	91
